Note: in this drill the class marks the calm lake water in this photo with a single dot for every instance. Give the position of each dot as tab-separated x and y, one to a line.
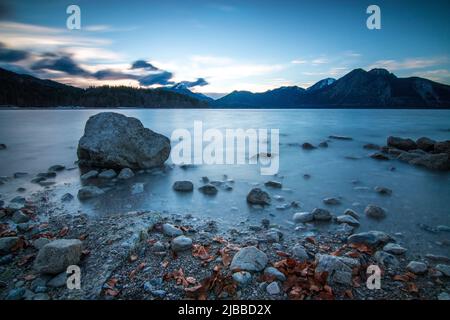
37	139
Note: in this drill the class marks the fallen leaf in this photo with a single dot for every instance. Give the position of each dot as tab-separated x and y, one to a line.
63	232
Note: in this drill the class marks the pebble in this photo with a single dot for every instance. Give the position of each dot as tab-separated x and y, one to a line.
208	189
16	294
321	214
171	230
444	268
137	188
67	197
274	272
375	212
107	174
242	278
300	253
125	173
347	219
89	175
273	288
417	267
181	243
394	248
331	201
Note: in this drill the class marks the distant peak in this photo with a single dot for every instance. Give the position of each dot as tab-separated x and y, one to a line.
380	72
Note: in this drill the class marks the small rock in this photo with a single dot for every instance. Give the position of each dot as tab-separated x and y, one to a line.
20	217
417	267
89	192
386	259
340	137
307	146
300	253
371	146
46	175
383	190
444	268
249	259
394	248
425	144
171	231
89	175
321	214
273	288
303	217
243	278
183	186
107	174
2	146
375	212
275	273
443	296
339	269
323	144
331	201
20	174
352	213
371	238
16	294
258	197
348	219
56	168
181	243
208	189
7	243
379	156
400	143
125	173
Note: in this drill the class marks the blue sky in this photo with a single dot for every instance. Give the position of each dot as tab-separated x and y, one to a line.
231	45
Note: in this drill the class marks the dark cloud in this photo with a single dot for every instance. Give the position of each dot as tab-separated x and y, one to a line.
161	78
141	64
108	74
11	55
199	82
62	63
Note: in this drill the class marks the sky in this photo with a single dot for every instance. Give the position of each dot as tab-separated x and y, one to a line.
216	47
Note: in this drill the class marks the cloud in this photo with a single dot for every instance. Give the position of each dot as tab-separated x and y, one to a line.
108	74
161	78
60	63
12	55
408	63
199	82
142	64
299	61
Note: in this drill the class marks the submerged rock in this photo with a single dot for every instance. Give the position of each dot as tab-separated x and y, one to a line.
67	197
249	259
56	167
383	190
352	213
258	197
89	192
375	212
57	255
440	161
348	220
307	146
379	156
89	175
208	189
331	201
303	217
321	214
340	137
183	186
112	140
273	184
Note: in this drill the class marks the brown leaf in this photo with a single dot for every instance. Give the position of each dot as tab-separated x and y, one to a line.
26	259
63	232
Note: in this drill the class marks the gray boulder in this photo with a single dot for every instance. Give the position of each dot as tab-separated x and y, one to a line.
208	189
394	248
171	230
348	220
439	161
425	144
400	143
303	217
299	253
112	140
89	175
273	184
249	259
57	255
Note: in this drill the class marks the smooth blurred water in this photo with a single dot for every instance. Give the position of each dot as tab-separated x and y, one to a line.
37	139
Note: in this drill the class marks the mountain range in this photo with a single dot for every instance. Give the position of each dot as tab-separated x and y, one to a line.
377	88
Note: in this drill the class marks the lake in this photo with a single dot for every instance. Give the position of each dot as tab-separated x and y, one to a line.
37	139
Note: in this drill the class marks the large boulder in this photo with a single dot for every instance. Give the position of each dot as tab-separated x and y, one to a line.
112	140
442	147
57	255
400	143
425	144
259	197
440	161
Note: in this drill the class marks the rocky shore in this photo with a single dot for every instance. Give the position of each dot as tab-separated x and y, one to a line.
161	255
